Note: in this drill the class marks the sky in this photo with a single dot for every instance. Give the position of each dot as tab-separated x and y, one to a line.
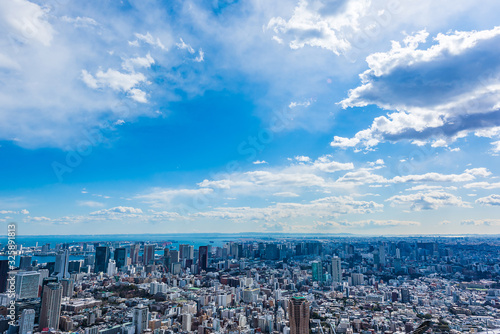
295	116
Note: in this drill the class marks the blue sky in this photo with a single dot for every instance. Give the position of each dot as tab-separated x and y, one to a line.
355	116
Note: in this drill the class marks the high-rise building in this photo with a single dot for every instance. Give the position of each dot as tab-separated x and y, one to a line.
148	256
298	312
68	285
405	295
120	257
4	270
134	253
166	258
186	252
357	279
27	284
25	262
111	268
62	264
51	306
381	252
336	269
101	259
203	257
27	321
174	255
317	271
141	318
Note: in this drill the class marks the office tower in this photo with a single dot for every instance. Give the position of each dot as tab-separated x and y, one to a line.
357	279
27	284
317	271
336	270
186	252
134	253
101	259
166	258
61	264
203	257
89	260
51	306
186	322
272	252
111	268
4	270
68	286
405	295
74	266
381	252
141	315
120	257
45	248
25	262
298	312
174	256
27	321
148	256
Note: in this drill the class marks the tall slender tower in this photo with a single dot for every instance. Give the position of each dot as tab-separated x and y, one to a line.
51	306
27	321
134	253
298	311
203	257
62	263
336	270
101	259
148	255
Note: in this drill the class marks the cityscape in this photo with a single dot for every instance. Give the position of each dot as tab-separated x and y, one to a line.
255	284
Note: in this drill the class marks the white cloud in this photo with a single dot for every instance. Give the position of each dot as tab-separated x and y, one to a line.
118	210
183	46
299	104
491	200
91	204
200	57
118	81
148	39
323	208
259	162
438	106
483	185
468	175
302	158
428	200
80	22
481	222
286	194
28	21
132	64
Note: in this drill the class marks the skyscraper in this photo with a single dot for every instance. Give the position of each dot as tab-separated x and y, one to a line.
203	257
317	271
134	253
27	284
25	262
51	306
27	321
62	264
148	256
141	315
186	251
298	312
120	257
336	270
101	259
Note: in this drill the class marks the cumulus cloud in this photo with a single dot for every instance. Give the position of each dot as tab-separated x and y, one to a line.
320	208
117	210
428	200
454	94
483	185
467	175
481	222
286	194
91	204
491	200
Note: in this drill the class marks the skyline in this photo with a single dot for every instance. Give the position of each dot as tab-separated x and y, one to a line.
355	116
